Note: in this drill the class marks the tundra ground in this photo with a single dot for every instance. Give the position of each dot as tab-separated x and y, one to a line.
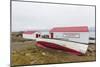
25	52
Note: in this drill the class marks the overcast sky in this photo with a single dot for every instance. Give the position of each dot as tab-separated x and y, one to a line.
31	16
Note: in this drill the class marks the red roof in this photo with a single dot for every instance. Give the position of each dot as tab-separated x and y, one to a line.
70	29
28	32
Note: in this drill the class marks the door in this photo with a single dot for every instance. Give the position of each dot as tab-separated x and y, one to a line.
52	35
37	35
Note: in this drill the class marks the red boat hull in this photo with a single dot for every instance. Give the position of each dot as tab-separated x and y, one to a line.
57	47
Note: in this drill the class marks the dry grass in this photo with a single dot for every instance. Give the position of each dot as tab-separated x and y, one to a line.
25	52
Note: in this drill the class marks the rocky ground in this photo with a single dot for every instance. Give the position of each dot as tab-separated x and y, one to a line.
25	52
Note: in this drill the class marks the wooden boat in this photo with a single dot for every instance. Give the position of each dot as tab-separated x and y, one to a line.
66	46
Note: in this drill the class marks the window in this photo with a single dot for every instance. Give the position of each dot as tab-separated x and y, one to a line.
72	35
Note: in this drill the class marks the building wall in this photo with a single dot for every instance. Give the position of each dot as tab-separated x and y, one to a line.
92	34
28	36
82	37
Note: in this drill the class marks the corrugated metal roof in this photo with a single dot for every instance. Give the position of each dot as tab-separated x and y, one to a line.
70	29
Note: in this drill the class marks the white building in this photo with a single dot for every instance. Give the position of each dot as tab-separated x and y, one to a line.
31	34
77	34
36	34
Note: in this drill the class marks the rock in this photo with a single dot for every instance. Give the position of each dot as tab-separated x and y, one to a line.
32	62
27	54
14	52
43	53
90	50
22	53
87	54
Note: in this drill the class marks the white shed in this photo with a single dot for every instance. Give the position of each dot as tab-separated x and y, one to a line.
31	34
77	34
